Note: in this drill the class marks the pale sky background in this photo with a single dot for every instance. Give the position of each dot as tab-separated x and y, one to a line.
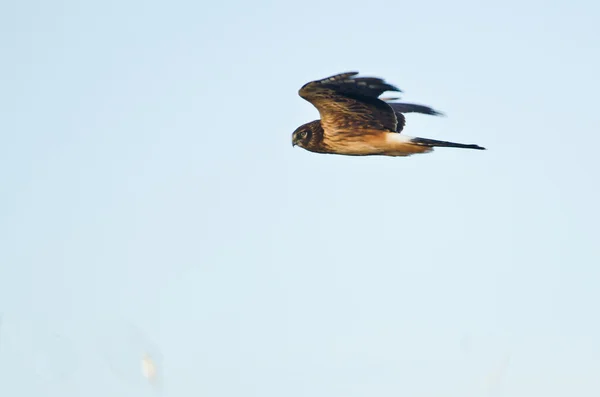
151	200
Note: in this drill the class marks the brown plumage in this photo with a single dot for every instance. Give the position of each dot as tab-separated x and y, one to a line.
356	122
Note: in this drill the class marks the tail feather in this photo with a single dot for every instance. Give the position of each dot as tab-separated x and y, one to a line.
434	143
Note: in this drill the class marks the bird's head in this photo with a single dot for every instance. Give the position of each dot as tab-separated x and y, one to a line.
301	136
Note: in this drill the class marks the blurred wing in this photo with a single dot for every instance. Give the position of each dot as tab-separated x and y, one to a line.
413	108
346	103
401	108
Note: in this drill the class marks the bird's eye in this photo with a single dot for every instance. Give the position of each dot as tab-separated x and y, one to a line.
303	134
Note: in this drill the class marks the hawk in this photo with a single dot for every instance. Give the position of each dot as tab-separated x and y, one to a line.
355	121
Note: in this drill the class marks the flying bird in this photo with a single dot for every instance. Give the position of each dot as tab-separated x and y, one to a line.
355	121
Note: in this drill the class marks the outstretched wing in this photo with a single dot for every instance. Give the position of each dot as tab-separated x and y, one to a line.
348	103
401	108
412	108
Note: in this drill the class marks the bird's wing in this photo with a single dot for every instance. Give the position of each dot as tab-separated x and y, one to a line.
401	122
346	103
412	108
401	108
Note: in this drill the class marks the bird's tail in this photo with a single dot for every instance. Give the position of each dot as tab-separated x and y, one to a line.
433	143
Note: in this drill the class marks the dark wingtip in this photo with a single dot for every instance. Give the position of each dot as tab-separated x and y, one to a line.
433	112
391	87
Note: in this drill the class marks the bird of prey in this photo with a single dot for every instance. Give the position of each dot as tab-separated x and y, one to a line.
355	121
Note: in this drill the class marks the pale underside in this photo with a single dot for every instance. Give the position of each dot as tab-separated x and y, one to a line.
372	142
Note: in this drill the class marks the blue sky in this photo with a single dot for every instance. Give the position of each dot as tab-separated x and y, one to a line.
151	200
